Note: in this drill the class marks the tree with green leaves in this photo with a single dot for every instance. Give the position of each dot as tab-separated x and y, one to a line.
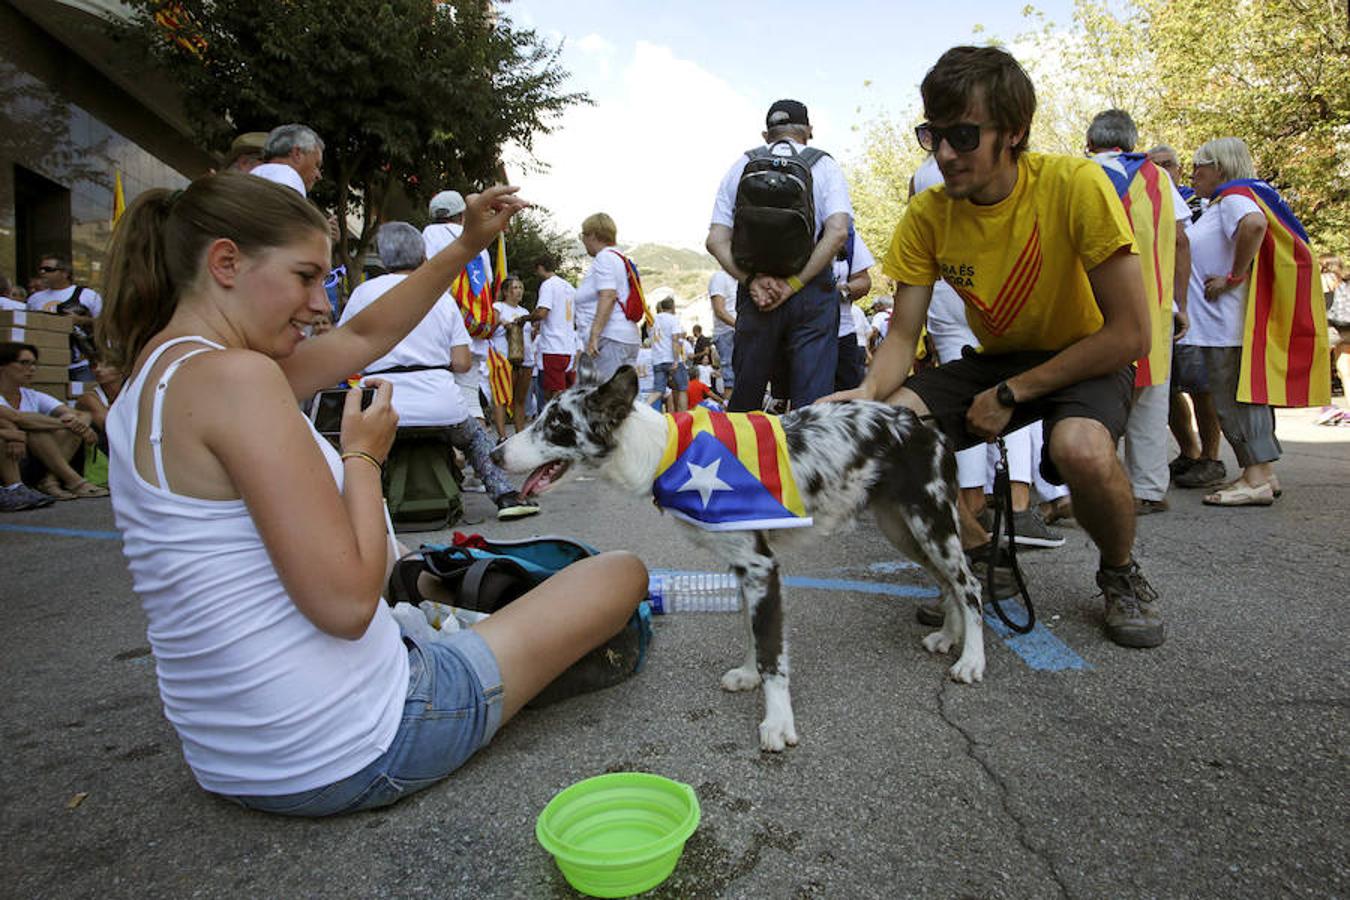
531	236
409	96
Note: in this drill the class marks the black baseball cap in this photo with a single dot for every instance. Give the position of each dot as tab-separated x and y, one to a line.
786	112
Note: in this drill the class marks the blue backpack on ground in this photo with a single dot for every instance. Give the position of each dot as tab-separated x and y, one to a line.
486	575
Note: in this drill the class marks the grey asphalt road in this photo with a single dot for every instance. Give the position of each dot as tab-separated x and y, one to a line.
1214	766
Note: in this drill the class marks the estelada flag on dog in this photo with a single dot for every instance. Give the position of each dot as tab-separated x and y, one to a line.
1284	339
1146	192
728	472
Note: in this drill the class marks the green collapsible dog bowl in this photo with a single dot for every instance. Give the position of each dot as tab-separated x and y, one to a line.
619	834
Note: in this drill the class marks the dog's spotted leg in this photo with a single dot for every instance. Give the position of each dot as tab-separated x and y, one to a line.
919	517
763	595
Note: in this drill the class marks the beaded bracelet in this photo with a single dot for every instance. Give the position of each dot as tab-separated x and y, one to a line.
361	454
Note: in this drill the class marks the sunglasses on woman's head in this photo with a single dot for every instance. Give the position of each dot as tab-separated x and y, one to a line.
962	137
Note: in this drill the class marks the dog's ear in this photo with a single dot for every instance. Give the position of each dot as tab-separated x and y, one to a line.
611	402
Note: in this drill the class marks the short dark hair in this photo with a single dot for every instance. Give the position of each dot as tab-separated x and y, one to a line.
10	350
548	263
963	74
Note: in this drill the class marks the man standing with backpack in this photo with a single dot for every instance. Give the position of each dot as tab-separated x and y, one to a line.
782	213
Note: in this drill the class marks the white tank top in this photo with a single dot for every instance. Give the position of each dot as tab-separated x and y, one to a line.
264	702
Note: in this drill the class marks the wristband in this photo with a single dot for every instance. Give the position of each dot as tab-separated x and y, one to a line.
1233	279
795	283
361	454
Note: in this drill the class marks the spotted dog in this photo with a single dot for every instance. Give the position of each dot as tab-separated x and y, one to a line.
844	456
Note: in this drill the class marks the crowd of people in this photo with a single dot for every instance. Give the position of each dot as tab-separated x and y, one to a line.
1064	305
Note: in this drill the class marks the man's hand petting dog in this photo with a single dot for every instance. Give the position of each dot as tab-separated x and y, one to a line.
858	393
986	417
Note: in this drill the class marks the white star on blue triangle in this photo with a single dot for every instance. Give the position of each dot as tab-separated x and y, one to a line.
704	480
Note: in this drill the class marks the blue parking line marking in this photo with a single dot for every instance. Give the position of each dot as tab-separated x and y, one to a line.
1040	649
61	532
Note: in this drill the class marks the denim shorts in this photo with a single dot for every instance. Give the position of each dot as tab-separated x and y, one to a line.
670	375
1188	369
454	707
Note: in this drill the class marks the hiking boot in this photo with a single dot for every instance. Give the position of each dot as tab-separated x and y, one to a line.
1205	473
511	506
1181	465
929	612
1144	507
1029	530
1133	618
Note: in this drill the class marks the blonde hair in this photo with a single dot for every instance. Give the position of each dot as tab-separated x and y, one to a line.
159	243
1231	156
601	226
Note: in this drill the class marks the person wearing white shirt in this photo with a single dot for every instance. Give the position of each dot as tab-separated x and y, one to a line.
668	356
1145	445
854	282
509	311
609	337
292	156
52	434
784	324
1224	243
553	316
420	366
83	304
722	296
447	224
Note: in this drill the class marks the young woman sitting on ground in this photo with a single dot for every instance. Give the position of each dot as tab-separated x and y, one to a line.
56	433
260	553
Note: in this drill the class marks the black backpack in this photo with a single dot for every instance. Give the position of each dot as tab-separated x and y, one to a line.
774	223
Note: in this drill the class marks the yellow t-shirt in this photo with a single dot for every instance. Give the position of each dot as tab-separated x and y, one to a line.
1021	264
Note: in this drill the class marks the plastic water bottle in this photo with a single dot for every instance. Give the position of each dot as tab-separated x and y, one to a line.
693	592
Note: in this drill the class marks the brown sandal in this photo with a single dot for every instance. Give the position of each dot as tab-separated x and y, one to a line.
52	488
86	489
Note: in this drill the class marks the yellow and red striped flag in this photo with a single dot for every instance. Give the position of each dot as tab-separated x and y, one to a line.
472	292
1145	190
728	472
1284	345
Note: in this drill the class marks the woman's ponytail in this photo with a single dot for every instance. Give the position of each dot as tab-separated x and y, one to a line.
140	297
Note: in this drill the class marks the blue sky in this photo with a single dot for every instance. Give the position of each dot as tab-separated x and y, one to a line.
681	88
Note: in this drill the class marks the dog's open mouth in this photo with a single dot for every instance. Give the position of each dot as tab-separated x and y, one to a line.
544	477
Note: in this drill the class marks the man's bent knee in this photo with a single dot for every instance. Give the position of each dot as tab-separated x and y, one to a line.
1083	450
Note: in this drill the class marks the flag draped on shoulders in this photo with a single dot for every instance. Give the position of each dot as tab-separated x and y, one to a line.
1284	342
473	291
1146	192
728	472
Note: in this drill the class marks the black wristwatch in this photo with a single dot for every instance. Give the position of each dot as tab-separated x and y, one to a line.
1005	395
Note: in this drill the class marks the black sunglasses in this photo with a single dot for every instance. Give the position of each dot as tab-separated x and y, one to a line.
962	137
46	269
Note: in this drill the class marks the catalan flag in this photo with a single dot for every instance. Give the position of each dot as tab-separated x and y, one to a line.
471	290
728	472
1146	192
1284	348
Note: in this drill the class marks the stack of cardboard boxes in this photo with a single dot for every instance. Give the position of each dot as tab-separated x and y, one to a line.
50	333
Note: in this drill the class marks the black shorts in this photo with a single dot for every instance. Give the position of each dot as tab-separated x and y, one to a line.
948	390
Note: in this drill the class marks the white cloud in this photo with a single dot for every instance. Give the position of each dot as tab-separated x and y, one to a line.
594	43
652	150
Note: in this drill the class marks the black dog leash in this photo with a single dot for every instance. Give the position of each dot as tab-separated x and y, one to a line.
1002	513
